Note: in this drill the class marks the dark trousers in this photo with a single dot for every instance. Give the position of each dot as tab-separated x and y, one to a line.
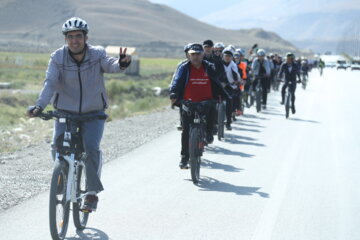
265	86
230	104
188	120
292	89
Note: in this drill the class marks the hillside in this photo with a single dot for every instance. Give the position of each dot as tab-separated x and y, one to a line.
35	25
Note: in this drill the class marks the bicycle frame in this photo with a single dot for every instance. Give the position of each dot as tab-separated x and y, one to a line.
73	164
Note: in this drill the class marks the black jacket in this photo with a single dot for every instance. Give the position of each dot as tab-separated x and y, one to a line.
289	76
181	78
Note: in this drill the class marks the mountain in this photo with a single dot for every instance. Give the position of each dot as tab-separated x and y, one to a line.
35	25
309	24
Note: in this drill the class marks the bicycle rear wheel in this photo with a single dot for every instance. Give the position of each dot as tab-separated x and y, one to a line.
195	154
80	217
59	208
221	119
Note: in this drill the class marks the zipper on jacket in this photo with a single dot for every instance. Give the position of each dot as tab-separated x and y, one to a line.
80	84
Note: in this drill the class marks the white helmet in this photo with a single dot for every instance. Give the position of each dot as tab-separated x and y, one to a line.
219	45
241	51
231	47
75	24
261	52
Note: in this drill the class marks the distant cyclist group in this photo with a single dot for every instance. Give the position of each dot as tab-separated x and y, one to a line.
236	79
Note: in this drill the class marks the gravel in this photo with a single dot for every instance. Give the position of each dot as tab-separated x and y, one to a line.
26	173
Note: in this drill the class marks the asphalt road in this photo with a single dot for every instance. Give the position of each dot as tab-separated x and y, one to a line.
273	178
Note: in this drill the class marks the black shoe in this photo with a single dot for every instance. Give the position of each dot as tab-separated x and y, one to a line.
184	163
179	128
90	203
209	138
228	127
282	102
264	106
293	109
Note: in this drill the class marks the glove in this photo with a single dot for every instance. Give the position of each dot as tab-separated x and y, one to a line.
34	111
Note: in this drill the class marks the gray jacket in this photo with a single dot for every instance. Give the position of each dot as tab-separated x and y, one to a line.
256	67
77	88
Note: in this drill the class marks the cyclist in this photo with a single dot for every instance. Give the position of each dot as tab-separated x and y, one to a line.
239	60
231	82
208	46
74	83
321	66
186	49
291	71
195	80
261	72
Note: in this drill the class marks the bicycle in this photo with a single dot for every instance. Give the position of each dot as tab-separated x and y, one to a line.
288	97
68	182
197	133
257	95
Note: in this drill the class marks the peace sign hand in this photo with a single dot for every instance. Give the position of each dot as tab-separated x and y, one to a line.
124	60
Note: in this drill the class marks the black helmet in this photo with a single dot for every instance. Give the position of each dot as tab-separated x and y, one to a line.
290	55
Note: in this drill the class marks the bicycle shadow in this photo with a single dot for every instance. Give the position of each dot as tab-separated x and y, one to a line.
220	150
215	165
255	117
90	234
272	113
250	125
214	185
303	120
235	139
244	129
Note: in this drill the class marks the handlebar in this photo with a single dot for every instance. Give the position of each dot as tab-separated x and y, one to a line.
73	118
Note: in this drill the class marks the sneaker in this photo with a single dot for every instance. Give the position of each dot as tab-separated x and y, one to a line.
293	109
228	127
184	163
179	128
238	113
264	107
282	102
90	203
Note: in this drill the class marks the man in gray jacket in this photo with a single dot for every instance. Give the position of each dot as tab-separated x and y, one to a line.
74	83
261	71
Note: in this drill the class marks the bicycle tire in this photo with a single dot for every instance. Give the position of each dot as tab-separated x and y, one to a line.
287	105
58	184
221	119
194	152
80	218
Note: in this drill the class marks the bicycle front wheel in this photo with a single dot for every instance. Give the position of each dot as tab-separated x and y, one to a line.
59	208
195	156
287	105
80	217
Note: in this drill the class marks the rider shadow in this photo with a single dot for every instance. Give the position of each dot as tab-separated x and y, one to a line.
220	150
272	113
214	185
90	234
215	165
254	116
302	120
250	125
245	129
235	139
246	121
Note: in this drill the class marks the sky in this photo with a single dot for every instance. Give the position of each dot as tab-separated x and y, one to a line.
199	8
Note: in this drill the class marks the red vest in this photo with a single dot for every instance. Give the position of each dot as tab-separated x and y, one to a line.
198	87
